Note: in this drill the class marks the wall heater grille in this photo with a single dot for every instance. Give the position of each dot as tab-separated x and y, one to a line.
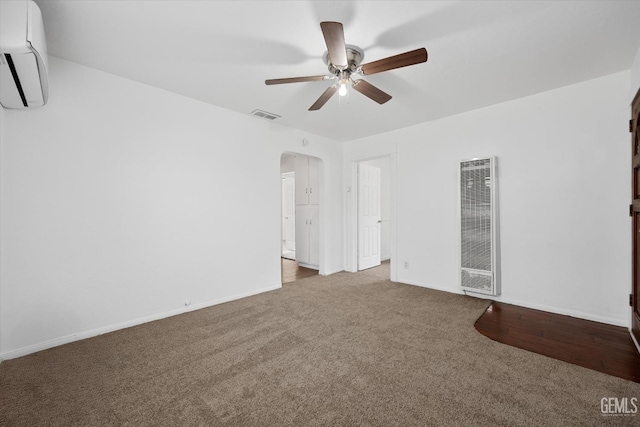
478	226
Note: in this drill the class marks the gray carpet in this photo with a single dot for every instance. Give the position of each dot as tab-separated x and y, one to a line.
343	350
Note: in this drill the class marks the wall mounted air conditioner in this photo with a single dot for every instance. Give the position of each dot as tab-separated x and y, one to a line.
479	263
23	55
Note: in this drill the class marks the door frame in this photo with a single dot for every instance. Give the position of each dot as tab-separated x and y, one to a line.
634	327
351	208
288	175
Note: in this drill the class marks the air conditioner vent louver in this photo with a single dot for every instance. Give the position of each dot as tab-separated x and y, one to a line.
264	114
24	82
478	187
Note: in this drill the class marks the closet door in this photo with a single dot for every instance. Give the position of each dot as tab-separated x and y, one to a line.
302	180
307	211
313	181
314	235
302	234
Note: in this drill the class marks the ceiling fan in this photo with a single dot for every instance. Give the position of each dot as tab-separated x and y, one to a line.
344	61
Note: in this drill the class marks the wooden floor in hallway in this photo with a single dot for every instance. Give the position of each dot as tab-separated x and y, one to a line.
291	271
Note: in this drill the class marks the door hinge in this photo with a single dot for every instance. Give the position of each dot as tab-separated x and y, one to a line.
631	210
630	300
630	125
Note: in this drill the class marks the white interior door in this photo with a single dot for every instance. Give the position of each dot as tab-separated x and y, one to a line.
288	215
368	216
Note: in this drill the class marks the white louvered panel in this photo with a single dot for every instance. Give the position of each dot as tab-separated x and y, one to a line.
477	226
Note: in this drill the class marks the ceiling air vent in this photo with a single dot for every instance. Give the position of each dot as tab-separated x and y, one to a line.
264	114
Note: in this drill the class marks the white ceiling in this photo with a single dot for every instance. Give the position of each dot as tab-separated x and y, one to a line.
480	53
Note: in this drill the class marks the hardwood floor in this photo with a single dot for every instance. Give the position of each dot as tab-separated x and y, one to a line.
593	345
291	271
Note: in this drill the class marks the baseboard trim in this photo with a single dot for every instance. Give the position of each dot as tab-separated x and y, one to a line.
329	273
560	310
434	287
311	266
541	307
12	354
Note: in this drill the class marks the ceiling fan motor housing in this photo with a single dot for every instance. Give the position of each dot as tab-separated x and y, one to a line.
355	55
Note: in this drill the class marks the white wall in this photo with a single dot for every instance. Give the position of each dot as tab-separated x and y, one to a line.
563	165
635	77
287	163
120	202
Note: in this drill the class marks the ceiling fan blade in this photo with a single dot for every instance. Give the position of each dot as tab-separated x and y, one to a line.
323	98
397	61
369	90
296	80
334	38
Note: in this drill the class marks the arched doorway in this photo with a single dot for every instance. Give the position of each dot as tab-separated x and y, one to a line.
301	223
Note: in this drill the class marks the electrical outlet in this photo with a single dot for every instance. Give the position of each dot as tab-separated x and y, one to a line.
406	265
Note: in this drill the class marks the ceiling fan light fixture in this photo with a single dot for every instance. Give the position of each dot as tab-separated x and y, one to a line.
343	81
342	86
343	89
